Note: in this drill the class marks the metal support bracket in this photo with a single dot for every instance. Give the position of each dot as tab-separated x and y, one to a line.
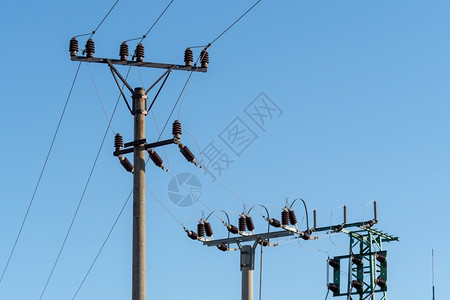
247	257
139	64
146	146
135	143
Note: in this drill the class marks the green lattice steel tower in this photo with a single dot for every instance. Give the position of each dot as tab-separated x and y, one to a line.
366	265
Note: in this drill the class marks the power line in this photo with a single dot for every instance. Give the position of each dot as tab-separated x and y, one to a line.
80	201
103	245
120	213
201	58
49	152
190	75
100	100
42	173
237	20
104	18
165	207
153	25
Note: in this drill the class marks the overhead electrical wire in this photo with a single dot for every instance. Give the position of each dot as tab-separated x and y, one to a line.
165	207
100	100
49	151
160	134
215	178
331	222
113	225
81	199
109	125
234	23
153	115
199	58
104	18
103	245
153	25
41	174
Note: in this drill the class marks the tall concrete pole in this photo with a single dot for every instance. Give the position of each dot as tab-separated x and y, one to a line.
247	266
139	111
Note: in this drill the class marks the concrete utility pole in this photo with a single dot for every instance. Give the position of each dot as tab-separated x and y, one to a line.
139	111
139	146
371	259
247	267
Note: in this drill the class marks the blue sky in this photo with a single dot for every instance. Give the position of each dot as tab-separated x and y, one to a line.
362	91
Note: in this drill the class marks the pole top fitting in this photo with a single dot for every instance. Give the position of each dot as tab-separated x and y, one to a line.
139	92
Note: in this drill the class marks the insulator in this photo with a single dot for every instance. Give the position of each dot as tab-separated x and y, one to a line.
249	221
274	222
334	263
345	214
90	48
187	153
356	284
139	53
204	58
118	141
284	217
357	260
201	229
222	247
370	223
315	218
192	234
333	287
126	163
123	52
338	228
157	160
176	129
188	57
306	235
232	229
380	257
292	217
73	47
264	243
242	223
375	210
381	282
208	229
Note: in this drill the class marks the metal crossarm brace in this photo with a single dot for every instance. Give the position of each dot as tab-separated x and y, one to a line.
361	225
139	64
249	238
146	146
386	237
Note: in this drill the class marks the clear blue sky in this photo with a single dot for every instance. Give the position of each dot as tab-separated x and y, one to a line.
362	91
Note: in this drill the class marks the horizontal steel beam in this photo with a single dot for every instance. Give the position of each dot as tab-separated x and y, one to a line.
139	64
249	238
332	228
161	143
146	146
